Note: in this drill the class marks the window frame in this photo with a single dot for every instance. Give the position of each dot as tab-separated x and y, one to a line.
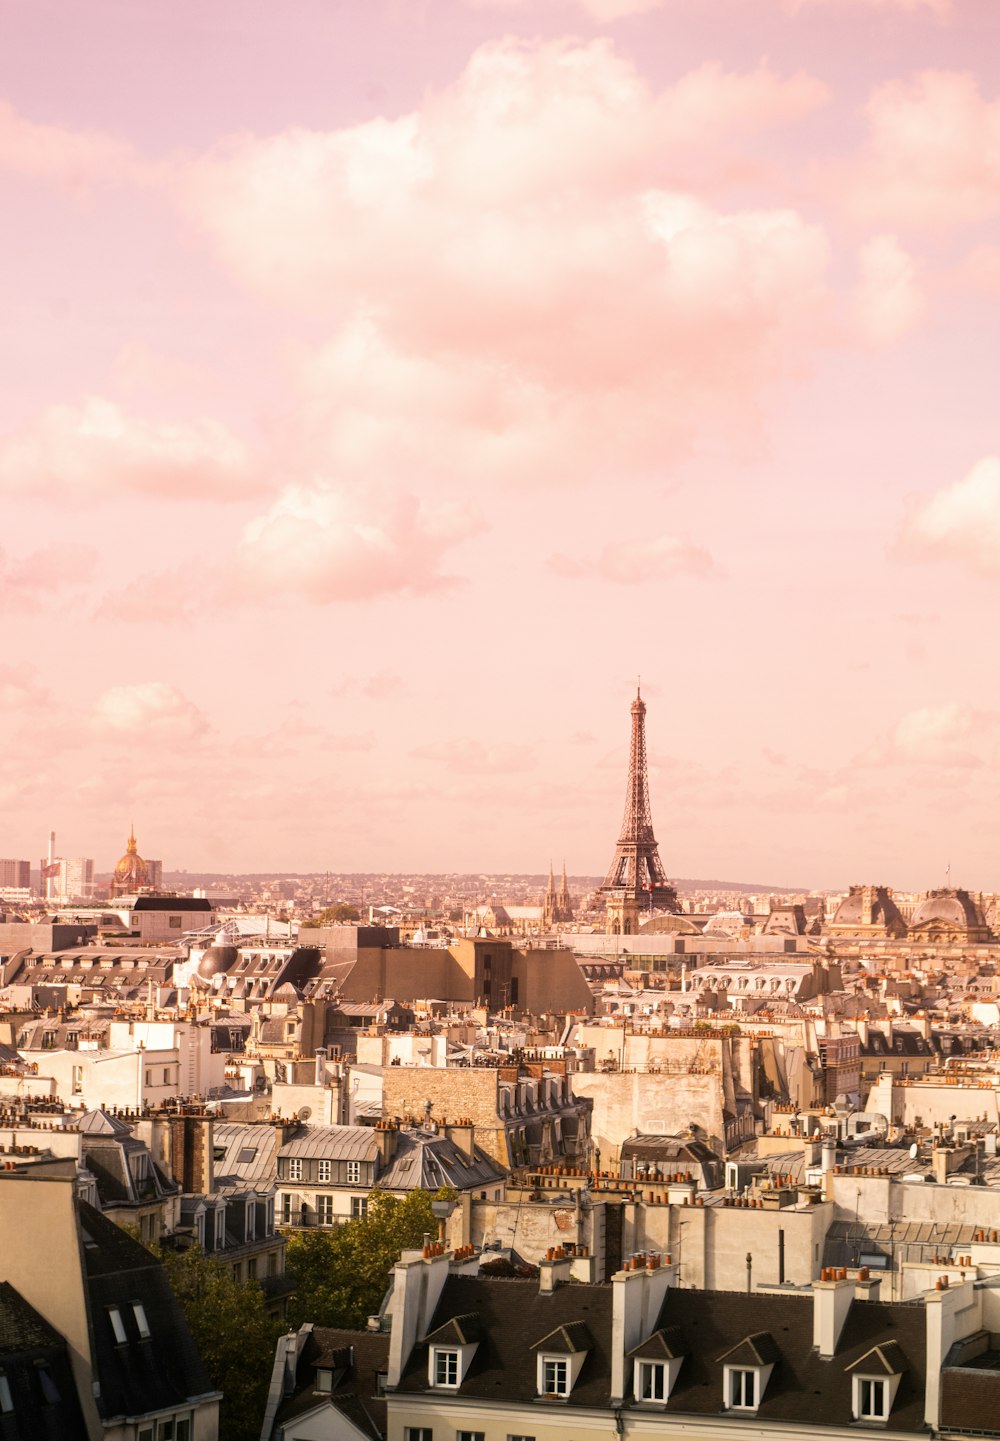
324	1172
449	1360
554	1365
659	1381
295	1168
744	1378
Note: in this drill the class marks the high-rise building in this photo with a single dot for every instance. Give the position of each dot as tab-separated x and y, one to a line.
74	880
636	880
15	873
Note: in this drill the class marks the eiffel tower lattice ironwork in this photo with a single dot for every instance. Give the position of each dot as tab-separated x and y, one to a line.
636	872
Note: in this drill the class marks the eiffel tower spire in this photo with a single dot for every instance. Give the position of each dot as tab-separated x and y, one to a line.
636	876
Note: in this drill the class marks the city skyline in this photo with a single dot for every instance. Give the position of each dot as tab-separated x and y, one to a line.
386	396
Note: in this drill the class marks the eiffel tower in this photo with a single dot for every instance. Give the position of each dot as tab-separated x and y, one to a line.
636	880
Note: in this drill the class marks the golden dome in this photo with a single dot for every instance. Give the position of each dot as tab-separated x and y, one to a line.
131	872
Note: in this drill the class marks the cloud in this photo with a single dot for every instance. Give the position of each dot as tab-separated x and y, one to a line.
932	158
947	736
888	302
20	691
152	710
70	157
960	523
97	449
603	11
634	562
321	544
937	7
530	264
161	597
30	581
468	757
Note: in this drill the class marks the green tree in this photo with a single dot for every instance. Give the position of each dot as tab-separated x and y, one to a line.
233	1332
341	1275
333	915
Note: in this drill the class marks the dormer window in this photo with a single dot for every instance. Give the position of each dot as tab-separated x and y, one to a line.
874	1382
451	1349
746	1371
657	1364
560	1358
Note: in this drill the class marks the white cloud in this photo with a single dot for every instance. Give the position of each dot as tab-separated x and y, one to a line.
153	710
98	449
888	301
321	544
961	522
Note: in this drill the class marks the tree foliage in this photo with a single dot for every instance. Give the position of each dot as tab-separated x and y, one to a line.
333	915
233	1332
341	1275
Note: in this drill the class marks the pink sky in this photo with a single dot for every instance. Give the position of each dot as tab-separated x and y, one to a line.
387	384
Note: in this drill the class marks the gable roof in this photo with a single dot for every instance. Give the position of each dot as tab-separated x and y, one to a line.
572	1337
664	1345
886	1359
756	1350
459	1331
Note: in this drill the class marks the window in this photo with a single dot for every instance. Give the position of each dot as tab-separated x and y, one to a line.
295	1169
324	1210
286	1210
252	1268
445	1368
50	1391
470	1436
650	1381
555	1377
174	922
6	1399
117	1325
871	1399
139	1312
77	1080
417	1433
354	1173
742	1389
359	1206
323	1171
145	1433
520	1438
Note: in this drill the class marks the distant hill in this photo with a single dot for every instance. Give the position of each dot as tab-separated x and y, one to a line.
742	887
186	880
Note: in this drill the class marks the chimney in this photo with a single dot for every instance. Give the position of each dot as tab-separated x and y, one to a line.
941	1163
554	1270
320	1077
638	1292
866	1286
832	1297
462	1134
418	1280
387	1139
583	1266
